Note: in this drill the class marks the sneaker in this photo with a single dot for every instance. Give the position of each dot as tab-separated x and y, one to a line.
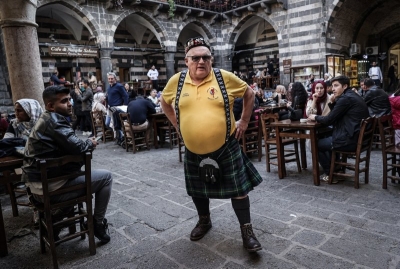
100	231
325	178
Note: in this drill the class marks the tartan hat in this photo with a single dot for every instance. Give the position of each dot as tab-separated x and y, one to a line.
196	42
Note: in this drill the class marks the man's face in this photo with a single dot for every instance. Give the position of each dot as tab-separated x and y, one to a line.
199	68
85	85
338	88
362	86
111	79
153	67
20	113
61	105
153	93
373	63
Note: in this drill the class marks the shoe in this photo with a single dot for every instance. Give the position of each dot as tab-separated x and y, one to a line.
203	225
325	178
100	231
250	242
35	219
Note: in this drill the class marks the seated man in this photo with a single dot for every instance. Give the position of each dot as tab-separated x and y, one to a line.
376	99
138	111
53	137
346	114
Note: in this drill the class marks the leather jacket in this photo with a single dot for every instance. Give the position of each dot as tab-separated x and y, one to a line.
377	101
52	137
345	116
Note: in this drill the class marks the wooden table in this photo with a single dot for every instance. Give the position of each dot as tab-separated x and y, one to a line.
155	118
296	129
7	164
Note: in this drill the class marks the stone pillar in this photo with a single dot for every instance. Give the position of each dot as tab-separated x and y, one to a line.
169	64
106	65
17	20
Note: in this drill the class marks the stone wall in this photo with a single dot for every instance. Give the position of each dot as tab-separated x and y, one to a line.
6	104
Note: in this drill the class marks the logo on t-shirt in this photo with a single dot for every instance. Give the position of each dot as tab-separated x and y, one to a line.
212	93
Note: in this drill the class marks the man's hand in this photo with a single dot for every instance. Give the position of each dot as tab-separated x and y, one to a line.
312	117
241	127
94	141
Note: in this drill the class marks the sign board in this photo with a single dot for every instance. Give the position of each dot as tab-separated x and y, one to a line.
70	51
287	64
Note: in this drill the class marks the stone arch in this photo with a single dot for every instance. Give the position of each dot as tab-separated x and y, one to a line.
82	13
234	35
204	27
160	31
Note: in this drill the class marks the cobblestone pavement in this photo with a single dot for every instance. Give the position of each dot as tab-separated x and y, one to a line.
299	225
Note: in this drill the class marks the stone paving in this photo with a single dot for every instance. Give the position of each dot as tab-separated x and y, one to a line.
299	225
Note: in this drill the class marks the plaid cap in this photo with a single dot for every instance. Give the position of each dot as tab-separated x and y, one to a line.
196	42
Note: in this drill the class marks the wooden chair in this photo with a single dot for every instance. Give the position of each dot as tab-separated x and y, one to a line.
250	142
17	195
99	126
290	155
390	152
134	138
376	141
51	215
169	134
361	154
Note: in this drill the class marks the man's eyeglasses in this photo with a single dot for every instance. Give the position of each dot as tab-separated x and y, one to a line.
196	59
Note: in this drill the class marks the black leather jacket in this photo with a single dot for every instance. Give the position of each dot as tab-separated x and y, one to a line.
52	137
345	116
377	101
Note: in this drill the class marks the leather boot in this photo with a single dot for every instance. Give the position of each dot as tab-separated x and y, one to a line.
250	241
202	227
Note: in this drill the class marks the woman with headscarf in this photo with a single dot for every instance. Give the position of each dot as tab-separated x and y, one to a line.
319	100
27	112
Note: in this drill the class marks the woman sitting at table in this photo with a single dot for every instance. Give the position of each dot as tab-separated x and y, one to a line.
27	112
295	109
319	100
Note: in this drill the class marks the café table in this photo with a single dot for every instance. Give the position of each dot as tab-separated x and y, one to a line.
298	130
7	164
156	118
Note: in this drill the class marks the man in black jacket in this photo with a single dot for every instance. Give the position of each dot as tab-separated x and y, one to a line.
138	111
346	114
53	137
376	99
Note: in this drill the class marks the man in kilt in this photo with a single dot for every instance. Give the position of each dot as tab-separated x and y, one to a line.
199	103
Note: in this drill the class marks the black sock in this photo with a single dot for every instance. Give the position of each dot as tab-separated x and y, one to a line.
242	209
202	206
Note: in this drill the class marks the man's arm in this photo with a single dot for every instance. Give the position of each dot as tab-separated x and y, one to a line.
338	111
169	112
124	95
248	104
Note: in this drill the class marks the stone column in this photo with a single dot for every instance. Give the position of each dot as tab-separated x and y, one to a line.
169	64
106	65
17	20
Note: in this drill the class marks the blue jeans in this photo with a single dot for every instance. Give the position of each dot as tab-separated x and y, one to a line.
101	187
325	152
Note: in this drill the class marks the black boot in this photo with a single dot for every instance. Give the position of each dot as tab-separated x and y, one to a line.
100	231
250	241
202	227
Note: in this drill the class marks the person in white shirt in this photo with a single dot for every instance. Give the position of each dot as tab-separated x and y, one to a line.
153	76
375	74
153	97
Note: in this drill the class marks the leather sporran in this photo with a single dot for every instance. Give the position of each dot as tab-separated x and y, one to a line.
209	171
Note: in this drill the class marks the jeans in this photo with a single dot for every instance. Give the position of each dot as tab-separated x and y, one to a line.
101	187
325	152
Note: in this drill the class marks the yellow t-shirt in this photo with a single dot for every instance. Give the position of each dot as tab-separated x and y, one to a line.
202	117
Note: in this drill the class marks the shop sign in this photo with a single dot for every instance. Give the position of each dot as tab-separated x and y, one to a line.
69	51
287	64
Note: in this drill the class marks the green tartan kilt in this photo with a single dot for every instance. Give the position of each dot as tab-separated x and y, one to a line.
239	176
